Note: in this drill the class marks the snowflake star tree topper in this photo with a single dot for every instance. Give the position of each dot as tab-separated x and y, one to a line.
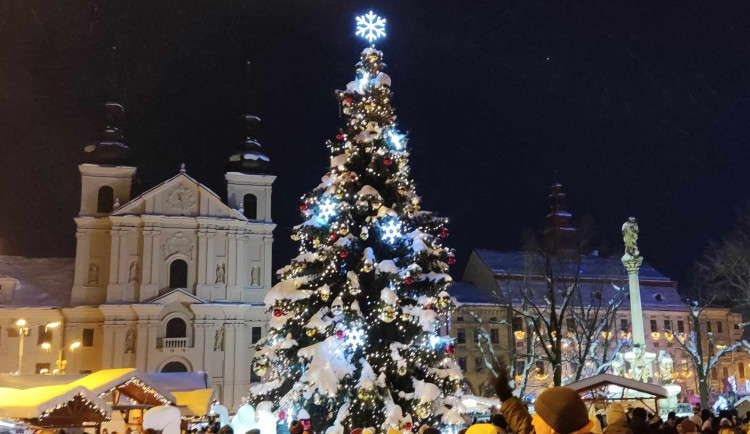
370	26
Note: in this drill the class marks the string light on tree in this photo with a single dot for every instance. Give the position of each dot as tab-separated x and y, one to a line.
370	27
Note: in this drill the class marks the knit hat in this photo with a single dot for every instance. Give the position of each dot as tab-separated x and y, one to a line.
616	415
687	426
562	409
482	428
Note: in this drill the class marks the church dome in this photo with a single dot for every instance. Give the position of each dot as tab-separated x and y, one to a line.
250	157
109	149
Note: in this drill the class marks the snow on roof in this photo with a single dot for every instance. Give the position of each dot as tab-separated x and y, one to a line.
41	281
592	267
31	403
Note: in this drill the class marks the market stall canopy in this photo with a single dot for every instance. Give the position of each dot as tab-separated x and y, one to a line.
195	402
62	405
605	380
128	382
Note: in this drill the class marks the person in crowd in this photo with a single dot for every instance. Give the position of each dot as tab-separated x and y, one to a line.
696	417
707	420
501	425
725	426
639	421
296	427
557	410
431	430
687	426
253	431
617	423
226	429
655	424
670	425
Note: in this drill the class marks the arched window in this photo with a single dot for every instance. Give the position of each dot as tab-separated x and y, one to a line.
250	206
178	271
174	367
176	328
105	200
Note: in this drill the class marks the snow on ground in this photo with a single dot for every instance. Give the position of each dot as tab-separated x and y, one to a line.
41	281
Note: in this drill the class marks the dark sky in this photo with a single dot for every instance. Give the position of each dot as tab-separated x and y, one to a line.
642	108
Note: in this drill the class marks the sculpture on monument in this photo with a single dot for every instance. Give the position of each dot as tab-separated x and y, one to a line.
220	273
130	340
93	277
133	272
219	339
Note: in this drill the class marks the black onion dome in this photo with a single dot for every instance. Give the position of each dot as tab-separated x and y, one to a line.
250	157
109	149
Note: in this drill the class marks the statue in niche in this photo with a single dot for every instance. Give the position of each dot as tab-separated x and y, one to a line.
220	273
93	278
219	339
130	341
255	276
133	272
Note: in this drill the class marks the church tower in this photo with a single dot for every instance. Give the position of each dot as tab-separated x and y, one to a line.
106	181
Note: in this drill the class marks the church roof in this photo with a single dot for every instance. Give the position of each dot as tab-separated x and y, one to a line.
41	281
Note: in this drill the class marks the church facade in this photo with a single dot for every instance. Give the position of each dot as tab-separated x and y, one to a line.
171	280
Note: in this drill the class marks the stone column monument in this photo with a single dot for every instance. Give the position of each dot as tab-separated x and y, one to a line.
640	361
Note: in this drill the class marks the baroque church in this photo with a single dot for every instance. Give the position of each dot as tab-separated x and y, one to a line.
170	280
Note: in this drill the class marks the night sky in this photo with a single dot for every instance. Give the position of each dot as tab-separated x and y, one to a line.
641	107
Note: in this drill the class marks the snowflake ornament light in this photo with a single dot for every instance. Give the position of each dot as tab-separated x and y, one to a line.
391	231
370	26
355	338
327	209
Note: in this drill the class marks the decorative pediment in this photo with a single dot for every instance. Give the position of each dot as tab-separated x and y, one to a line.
179	196
177	296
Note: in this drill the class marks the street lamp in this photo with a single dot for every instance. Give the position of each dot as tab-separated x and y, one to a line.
61	362
23	330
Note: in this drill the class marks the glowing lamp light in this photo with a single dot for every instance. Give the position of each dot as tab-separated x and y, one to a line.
75	345
370	27
655	335
396	140
21	322
519	334
53	324
391	231
46	346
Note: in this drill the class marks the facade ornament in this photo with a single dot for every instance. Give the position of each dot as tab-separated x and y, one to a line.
666	366
219	339
130	340
178	243
181	198
93	277
220	273
255	276
133	272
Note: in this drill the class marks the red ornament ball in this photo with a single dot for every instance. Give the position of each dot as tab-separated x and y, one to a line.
427	307
387	161
278	312
334	237
306	424
339	136
303	207
408	281
344	254
408	426
282	415
451	260
450	349
348	100
444	233
340	334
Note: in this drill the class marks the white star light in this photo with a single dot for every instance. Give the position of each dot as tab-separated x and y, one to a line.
391	230
370	27
327	209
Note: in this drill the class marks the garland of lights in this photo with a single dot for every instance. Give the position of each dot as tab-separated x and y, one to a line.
46	413
141	385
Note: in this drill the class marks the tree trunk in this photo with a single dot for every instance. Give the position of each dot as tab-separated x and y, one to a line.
703	390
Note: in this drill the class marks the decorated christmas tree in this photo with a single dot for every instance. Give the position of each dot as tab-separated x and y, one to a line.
354	336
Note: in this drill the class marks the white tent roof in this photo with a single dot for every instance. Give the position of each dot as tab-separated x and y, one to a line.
603	380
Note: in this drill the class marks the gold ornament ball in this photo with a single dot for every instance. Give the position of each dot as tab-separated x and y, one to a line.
367	267
368	106
311	332
363	395
423	410
402	370
260	369
318	399
364	235
316	242
388	315
354	291
344	230
295	236
443	302
405	316
325	294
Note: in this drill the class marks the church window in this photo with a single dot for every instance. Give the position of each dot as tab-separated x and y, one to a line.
256	334
250	206
87	339
105	200
680	326
176	328
178	274
174	367
719	327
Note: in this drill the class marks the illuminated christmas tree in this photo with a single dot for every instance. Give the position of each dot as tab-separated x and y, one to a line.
354	334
